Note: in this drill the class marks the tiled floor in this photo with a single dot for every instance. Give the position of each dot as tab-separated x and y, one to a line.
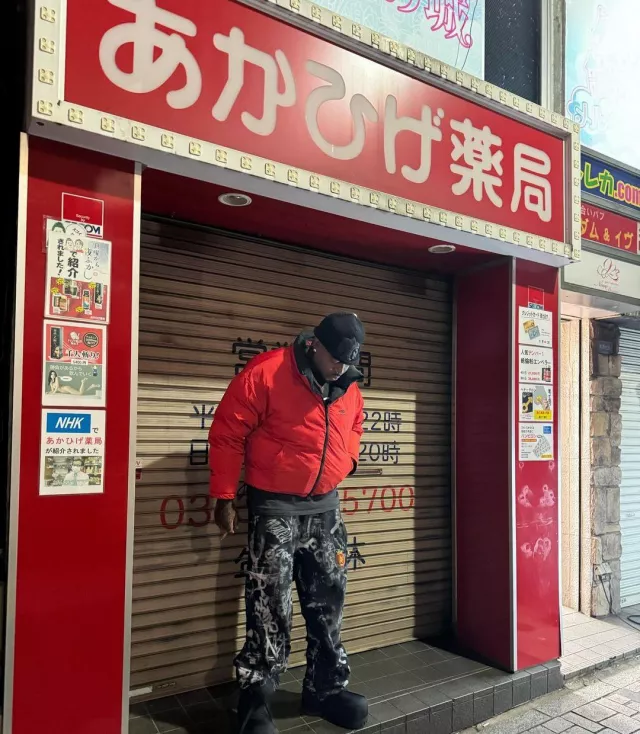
412	689
590	643
605	702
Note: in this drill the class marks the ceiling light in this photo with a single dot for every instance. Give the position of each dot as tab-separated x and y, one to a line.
442	249
234	199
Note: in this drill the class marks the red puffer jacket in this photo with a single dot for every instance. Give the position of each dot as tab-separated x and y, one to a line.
292	441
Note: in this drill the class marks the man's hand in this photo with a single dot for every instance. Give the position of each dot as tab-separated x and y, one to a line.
225	517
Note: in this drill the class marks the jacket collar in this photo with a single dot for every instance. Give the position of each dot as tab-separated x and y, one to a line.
331	391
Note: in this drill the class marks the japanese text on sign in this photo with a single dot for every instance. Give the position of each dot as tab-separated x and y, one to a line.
72	452
78	275
265	79
536	442
74	363
607	228
535	327
536	364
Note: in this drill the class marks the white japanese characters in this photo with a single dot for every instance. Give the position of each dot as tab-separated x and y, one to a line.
240	54
530	168
149	75
336	89
482	169
475	153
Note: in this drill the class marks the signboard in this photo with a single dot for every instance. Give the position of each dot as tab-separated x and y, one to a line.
74	361
449	30
601	46
72	452
535	327
78	284
536	441
607	274
607	228
610	183
536	364
240	90
536	403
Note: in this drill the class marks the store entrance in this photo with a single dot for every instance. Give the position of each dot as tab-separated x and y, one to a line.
220	284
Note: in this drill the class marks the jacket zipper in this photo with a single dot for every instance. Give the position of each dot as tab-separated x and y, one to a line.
324	447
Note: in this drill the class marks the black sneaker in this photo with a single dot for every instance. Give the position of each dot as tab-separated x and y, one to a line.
254	714
345	709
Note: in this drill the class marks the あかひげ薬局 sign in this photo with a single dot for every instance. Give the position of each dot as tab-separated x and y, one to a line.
229	75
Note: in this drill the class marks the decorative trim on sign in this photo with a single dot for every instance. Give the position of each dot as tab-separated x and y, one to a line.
49	106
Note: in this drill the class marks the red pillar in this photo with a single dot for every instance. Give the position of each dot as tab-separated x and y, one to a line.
69	556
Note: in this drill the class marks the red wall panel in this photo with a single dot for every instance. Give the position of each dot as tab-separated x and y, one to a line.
483	420
537	547
70	588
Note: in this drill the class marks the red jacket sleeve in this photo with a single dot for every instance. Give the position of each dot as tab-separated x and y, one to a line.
239	413
356	431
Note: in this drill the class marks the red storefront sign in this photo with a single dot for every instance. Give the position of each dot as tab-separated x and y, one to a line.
607	228
229	75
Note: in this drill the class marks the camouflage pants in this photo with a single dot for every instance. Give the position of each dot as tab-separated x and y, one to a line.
312	551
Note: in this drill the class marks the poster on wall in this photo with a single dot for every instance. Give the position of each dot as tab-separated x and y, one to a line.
535	327
72	452
601	51
536	441
536	364
74	364
78	283
448	30
536	403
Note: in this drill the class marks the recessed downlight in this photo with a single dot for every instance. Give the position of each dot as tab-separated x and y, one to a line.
234	199
442	249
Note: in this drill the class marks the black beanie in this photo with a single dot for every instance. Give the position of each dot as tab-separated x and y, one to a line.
342	335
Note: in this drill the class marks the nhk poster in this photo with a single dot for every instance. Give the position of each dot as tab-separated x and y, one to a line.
72	452
78	274
74	364
536	442
536	403
535	327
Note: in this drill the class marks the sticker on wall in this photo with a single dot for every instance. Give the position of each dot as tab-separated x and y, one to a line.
535	327
72	452
536	298
78	274
536	442
84	210
74	364
536	365
536	403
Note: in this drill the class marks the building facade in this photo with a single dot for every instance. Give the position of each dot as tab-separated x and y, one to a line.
196	188
600	526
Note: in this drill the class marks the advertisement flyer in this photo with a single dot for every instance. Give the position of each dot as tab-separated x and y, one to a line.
535	327
536	442
536	403
536	365
78	274
74	364
72	452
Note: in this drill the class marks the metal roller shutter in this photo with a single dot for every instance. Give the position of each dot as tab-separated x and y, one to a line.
630	465
208	303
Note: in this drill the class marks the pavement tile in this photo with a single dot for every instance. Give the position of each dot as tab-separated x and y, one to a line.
595	711
515	724
576	730
622	724
558	725
618	707
580	721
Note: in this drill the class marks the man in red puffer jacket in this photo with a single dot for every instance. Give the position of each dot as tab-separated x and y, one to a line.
294	417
